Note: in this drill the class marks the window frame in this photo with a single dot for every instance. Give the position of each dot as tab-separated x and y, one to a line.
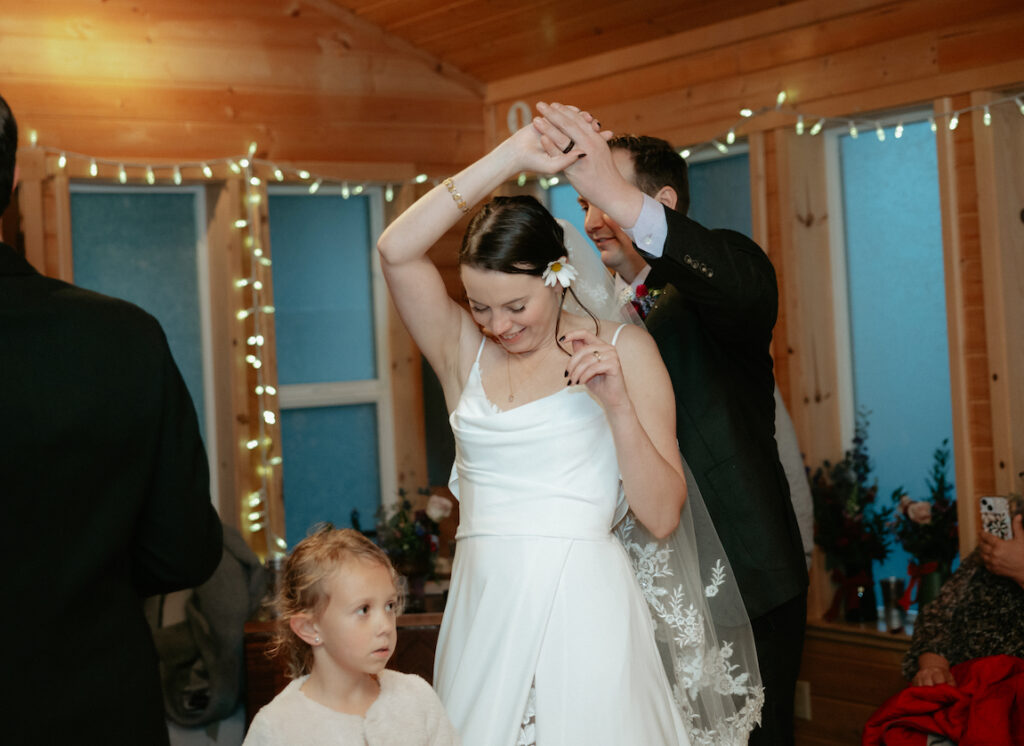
837	260
376	391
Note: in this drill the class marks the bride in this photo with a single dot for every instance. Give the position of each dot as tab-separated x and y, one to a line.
558	412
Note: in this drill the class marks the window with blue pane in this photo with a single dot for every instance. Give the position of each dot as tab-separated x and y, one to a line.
897	310
322	288
720	193
330	467
140	245
324	326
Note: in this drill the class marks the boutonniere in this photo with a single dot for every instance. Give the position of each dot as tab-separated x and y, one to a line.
644	299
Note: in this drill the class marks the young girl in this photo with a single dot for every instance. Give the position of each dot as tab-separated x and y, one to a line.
337	608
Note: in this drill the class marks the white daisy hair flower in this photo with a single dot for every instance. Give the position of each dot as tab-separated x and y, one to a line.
559	271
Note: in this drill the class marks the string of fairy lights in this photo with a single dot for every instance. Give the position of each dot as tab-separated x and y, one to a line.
256	505
854	125
256	512
805	123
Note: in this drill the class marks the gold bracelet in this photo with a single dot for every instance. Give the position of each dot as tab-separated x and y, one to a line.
459	201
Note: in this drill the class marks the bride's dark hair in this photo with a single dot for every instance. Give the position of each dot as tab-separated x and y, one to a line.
518	236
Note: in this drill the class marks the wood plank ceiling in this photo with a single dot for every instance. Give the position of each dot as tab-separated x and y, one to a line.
491	40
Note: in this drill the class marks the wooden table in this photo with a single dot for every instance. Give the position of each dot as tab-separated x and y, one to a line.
847	671
266	676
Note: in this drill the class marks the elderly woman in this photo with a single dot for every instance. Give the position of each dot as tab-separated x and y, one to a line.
977	614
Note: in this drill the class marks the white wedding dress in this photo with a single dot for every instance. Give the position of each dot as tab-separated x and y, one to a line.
544	606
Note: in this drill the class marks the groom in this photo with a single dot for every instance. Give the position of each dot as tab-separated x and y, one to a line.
712	320
653	167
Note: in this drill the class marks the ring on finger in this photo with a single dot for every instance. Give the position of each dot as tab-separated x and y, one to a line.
597	354
570	146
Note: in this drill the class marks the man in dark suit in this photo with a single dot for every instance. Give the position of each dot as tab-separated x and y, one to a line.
104	485
712	318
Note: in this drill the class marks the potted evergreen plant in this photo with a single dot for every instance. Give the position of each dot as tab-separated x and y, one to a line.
850	528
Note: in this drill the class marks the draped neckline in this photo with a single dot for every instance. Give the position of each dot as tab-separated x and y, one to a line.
475	371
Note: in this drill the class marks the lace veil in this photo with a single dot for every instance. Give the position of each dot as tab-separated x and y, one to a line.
703	632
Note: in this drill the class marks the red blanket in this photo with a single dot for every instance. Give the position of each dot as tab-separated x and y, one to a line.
986	708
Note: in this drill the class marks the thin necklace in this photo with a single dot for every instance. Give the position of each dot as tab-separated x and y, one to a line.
508	369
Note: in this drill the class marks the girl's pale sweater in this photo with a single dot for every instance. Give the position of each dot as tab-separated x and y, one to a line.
406	713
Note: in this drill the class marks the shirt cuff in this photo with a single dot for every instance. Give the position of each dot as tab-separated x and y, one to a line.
651	228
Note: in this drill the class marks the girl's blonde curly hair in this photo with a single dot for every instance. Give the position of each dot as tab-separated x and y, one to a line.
302	588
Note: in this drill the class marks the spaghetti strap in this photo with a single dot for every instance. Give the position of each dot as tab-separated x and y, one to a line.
615	337
481	348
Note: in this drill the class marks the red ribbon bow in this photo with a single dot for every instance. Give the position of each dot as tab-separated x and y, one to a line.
916	572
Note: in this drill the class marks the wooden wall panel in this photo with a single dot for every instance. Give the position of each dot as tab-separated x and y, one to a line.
862	60
999	151
171	81
406	381
770	239
230	400
807	295
832	59
804	344
965	319
165	81
30	205
168	80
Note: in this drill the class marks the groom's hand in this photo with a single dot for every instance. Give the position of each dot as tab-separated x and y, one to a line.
593	174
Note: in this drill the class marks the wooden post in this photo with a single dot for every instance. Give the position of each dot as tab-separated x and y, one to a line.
32	165
224	256
406	384
965	321
264	470
807	295
63	262
998	153
803	218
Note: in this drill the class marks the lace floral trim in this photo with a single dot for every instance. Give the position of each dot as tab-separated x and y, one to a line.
697	666
528	728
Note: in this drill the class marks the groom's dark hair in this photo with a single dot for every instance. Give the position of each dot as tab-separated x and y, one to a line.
656	165
8	153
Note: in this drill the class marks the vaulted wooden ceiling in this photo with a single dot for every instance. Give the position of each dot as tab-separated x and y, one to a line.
493	39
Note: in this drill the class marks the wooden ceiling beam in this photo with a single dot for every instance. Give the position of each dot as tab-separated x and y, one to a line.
444	69
794	15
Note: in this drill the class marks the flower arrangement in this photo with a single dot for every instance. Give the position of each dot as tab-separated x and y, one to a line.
410	537
644	298
848	526
927	529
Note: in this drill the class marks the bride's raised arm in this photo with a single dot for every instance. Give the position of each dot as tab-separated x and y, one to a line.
435	321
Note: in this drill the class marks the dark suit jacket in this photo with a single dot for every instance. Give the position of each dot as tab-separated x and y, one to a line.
713	326
105	492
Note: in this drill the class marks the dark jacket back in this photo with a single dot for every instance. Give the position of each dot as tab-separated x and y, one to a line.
105	485
713	326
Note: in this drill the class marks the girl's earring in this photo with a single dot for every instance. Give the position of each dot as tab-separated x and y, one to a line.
317	640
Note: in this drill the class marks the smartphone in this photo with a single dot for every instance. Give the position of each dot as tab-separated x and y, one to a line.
995	517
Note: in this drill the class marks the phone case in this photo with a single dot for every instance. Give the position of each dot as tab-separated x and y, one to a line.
995	517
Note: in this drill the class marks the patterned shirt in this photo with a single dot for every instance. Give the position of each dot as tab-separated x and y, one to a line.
977	614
